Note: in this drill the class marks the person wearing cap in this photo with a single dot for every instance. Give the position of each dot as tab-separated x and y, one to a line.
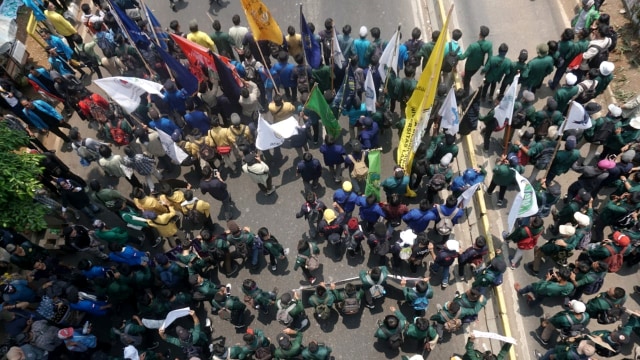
440	146
557	249
582	350
258	171
186	338
555	284
618	243
288	348
475	55
443	259
603	130
244	139
624	167
77	340
395	184
494	70
492	275
504	175
361	46
566	93
605	76
600	306
545	118
574	203
331	227
353	238
591	177
615	339
566	322
437	173
369	132
537	69
345	198
564	159
200	37
333	157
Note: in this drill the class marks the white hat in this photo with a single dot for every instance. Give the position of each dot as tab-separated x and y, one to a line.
635	123
552	132
606	68
567	230
578	307
363	31
452	245
570	79
528	96
446	159
408	237
615	110
130	352
416	357
586	347
581	219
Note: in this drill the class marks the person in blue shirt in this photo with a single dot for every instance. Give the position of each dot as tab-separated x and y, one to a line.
418	219
361	46
450	205
127	255
369	134
17	291
370	211
346	198
91	271
58	62
174	98
354	110
76	340
281	73
94	308
333	156
310	170
56	42
165	124
196	118
396	184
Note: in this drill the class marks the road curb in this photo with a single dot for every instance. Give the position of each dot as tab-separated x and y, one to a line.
481	213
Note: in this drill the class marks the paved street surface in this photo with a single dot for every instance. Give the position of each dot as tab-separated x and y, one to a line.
520	23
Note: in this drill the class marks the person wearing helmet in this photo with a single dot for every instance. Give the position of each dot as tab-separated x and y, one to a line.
568	322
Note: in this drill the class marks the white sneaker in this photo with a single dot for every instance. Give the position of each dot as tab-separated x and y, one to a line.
228	286
286	251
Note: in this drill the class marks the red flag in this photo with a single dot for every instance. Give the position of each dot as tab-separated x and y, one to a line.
197	56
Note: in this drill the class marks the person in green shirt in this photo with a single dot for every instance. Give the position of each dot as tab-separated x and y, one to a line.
116	235
526	237
190	258
600	305
315	351
568	322
242	239
202	289
305	249
142	278
558	249
545	118
128	331
555	284
441	169
223	41
517	67
450	311
391	325
275	249
253	340
260	299
427	48
566	53
425	334
322	300
537	69
471	302
576	351
472	354
297	319
406	87
106	196
475	55
440	146
615	339
494	70
564	159
186	338
288	349
224	301
605	76
347	299
566	93
504	175
492	275
373	279
418	296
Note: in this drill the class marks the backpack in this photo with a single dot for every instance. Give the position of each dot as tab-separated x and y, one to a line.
445	225
194	216
303	80
587	94
263	353
98	113
613	35
241	140
83	56
351	306
594	287
542	161
612	315
437	182
283	315
615	260
86	153
360	170
606	130
375	49
450	60
394	340
323	311
575	329
118	135
311	262
377	290
519	118
250	70
543	128
420	303
451	324
108	48
602	55
413	46
206	152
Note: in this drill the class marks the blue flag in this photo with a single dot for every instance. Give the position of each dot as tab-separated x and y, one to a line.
310	43
186	79
347	91
230	87
163	37
137	36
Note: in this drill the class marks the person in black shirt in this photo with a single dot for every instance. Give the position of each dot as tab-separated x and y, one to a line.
213	184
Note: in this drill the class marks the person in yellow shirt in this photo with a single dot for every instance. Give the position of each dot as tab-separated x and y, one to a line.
62	26
220	138
294	42
280	109
172	197
145	202
204	208
164	224
200	37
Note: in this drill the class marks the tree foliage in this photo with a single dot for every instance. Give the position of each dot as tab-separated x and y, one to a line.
19	171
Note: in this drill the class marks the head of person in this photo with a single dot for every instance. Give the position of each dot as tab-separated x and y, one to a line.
503	49
416	33
104	151
451	201
523	56
375	32
456	34
484	32
391	322
424	205
193	25
434	35
346	30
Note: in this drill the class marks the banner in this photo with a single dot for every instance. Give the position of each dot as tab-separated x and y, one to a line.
370	97
137	36
267	138
173	315
287	128
228	78
184	77
421	99
318	104
465	198
126	91
525	203
338	57
504	110
263	25
171	148
373	179
311	45
577	118
347	90
490	335
389	57
199	57
449	113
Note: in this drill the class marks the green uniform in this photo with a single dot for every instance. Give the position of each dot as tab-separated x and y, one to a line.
142	278
590	277
302	261
415	333
473	354
116	235
486	278
425	52
207	289
496	68
475	54
384	335
603	82
565	319
293	351
433	169
563	161
552	288
322	77
129	215
263	298
516	67
600	252
405	88
555	118
439	148
597	125
563	95
328	299
368	282
323	353
602	303
245	351
468	307
274	247
410	293
193	262
565	215
196	335
503	175
223	42
537	69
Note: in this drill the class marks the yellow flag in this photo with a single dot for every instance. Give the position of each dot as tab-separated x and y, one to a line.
420	101
263	26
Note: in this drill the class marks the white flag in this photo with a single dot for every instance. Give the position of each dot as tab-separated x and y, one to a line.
525	203
338	58
171	148
286	128
465	198
505	109
267	137
370	92
173	315
126	91
577	118
389	57
449	113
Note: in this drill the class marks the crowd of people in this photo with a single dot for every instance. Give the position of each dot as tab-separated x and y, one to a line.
159	255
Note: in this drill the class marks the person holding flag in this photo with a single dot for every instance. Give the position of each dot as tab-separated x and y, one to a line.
310	43
504	175
563	160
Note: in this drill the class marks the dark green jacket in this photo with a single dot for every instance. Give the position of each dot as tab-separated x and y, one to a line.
552	288
563	161
473	354
537	69
293	351
402	322
496	68
475	54
565	319
602	303
323	353
563	95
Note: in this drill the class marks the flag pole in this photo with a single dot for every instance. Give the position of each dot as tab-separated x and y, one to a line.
346	81
507	136
264	66
309	97
117	18
395	48
155	36
558	142
304	56
333	28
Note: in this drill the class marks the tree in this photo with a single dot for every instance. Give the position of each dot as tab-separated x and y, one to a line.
19	172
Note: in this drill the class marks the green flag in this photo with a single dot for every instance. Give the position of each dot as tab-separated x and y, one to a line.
373	178
318	104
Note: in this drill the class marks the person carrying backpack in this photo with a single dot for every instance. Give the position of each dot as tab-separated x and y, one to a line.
607	304
588	277
196	211
391	329
440	176
569	322
187	340
291	311
396	184
587	88
322	300
611	251
307	259
348	300
413	46
446	216
444	259
492	275
504	175
311	210
373	283
418	296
